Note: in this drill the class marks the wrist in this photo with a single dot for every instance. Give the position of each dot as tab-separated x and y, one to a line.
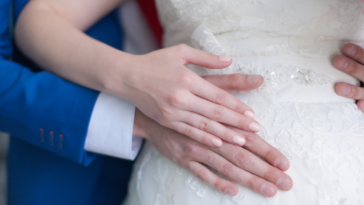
116	78
141	124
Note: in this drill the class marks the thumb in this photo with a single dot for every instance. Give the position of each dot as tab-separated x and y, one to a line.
194	56
238	82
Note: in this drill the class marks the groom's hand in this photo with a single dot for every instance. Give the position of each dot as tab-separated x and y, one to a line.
236	163
241	165
352	63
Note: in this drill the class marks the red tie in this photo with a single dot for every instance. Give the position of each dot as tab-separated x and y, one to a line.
150	13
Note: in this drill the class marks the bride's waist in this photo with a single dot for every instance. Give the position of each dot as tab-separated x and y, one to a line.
287	79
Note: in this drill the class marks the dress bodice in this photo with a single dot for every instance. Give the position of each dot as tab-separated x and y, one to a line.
291	43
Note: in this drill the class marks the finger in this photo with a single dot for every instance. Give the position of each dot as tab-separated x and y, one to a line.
194	56
205	175
350	67
219	96
355	52
349	91
260	147
251	163
222	114
197	134
213	127
235	81
238	175
361	105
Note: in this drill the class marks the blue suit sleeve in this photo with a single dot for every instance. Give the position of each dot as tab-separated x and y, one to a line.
41	108
45	110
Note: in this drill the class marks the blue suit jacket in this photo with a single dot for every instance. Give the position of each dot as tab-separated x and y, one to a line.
48	119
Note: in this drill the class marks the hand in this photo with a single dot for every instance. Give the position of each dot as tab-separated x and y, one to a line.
352	63
239	164
162	87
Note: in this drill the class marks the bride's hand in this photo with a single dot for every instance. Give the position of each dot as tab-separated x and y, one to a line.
239	164
352	63
162	87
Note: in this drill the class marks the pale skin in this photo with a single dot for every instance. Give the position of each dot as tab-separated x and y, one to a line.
161	87
158	83
236	163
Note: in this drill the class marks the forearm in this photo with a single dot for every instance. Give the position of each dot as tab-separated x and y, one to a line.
59	46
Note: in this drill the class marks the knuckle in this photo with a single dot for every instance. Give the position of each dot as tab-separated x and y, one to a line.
204	124
251	183
192	148
251	140
217	113
269	174
185	79
235	81
227	169
187	131
242	159
203	176
209	159
167	112
270	153
176	99
220	97
219	184
210	57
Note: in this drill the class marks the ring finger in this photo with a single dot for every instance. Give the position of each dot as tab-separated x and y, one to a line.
213	128
222	114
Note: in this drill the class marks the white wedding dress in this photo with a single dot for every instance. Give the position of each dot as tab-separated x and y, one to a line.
291	43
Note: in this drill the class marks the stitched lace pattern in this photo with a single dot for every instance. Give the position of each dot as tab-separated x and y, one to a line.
326	137
286	31
323	141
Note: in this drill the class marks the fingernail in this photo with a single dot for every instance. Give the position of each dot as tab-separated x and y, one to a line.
250	114
229	191
283	183
254	127
343	63
252	79
216	142
351	51
345	89
225	58
267	190
239	140
281	164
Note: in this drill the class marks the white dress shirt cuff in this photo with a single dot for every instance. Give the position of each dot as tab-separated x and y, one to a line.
110	131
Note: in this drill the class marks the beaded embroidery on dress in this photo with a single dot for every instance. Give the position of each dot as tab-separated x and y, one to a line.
291	43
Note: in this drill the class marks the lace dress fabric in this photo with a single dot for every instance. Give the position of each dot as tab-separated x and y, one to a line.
291	43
